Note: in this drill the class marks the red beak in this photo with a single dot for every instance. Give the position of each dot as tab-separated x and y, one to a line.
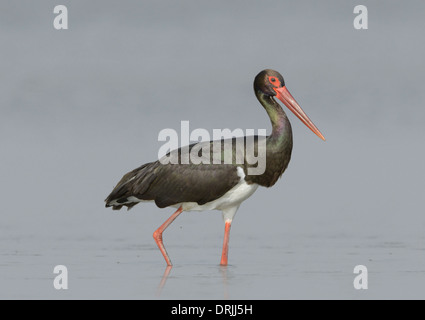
288	100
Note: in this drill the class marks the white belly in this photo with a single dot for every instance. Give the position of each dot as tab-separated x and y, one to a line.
233	197
229	202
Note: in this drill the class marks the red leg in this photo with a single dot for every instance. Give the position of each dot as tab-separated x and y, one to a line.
157	235
225	252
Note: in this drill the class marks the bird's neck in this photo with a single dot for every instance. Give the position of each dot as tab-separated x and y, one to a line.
278	144
281	127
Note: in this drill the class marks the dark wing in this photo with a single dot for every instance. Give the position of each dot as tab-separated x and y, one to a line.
176	182
169	184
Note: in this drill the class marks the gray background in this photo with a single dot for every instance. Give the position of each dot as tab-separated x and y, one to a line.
81	107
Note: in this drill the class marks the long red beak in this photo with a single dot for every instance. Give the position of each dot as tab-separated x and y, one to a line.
288	100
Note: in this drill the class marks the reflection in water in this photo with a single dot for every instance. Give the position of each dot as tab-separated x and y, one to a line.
223	272
163	280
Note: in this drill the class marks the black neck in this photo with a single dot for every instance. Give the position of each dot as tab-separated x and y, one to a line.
278	144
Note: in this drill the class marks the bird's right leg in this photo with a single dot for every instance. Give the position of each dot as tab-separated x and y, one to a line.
157	235
225	251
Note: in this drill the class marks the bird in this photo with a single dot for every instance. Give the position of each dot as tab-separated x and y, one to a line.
216	186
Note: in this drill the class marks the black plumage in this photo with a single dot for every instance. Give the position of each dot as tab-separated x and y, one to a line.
217	176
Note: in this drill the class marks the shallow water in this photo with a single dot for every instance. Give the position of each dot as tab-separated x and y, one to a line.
290	266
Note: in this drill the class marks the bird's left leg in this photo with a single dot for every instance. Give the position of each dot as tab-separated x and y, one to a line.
157	235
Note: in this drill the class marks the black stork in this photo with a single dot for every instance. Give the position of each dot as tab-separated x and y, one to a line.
212	186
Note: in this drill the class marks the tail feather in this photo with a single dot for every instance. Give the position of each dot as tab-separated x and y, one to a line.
130	189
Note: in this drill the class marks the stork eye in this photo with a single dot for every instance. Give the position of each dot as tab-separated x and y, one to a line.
274	81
